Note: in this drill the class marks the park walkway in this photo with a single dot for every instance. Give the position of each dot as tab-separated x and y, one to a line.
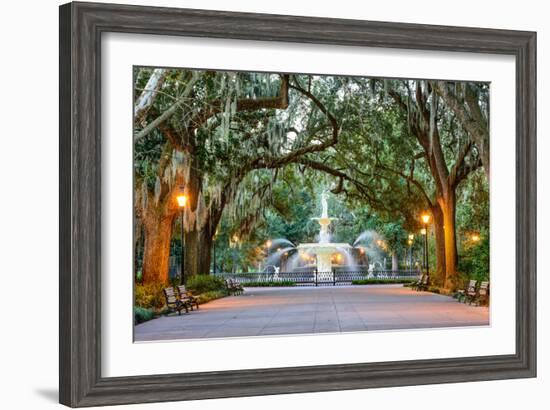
283	311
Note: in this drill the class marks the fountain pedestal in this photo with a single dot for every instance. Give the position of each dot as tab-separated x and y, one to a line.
324	249
324	264
323	253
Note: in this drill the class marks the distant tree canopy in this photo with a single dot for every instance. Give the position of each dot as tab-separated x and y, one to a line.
253	151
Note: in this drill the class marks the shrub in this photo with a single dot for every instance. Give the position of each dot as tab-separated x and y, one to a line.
474	262
211	295
382	281
142	315
205	283
149	296
270	284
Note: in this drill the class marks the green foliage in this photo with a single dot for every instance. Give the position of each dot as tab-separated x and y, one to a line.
149	296
147	154
382	281
211	295
240	153
175	281
142	315
474	262
200	284
284	283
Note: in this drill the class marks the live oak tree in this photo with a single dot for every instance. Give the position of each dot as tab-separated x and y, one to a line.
375	161
470	104
212	130
233	139
449	154
409	152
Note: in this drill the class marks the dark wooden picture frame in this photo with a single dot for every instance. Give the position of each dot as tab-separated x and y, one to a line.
81	27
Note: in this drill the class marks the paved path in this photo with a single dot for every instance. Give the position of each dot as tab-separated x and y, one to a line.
278	311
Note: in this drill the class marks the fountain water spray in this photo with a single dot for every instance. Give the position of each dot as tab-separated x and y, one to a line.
323	250
323	255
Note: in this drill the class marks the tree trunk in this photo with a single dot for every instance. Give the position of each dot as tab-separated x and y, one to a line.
138	246
440	266
448	206
198	238
205	253
198	252
191	253
158	231
147	96
394	262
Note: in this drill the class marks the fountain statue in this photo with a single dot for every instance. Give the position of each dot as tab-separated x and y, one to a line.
324	254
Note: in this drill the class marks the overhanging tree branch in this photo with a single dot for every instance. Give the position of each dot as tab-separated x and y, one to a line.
472	119
171	110
147	96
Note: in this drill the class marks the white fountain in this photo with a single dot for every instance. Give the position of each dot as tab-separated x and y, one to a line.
323	252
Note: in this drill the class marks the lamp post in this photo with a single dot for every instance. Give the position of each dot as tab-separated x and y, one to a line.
214	255
268	245
410	242
426	219
233	243
182	200
214	252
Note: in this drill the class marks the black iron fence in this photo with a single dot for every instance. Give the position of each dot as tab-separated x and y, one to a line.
315	278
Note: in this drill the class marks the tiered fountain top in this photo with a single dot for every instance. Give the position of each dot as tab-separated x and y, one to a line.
323	249
324	235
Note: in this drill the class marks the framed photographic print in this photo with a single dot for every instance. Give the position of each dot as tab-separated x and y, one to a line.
261	204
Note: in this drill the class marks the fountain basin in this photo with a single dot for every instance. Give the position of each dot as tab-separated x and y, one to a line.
323	252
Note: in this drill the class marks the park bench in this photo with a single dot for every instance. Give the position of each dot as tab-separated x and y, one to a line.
471	292
421	284
482	293
417	283
187	297
233	287
461	294
173	303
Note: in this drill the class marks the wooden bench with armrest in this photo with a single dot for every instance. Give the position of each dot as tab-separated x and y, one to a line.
482	293
421	284
173	303
234	287
187	297
462	294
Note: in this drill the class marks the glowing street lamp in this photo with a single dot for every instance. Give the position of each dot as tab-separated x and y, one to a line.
234	243
181	198
410	242
475	237
268	245
425	217
381	244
